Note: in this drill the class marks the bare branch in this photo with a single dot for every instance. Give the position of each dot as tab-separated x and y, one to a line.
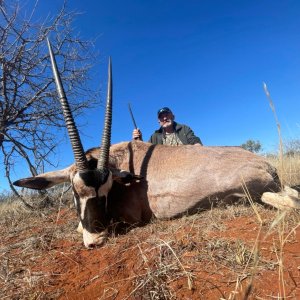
30	114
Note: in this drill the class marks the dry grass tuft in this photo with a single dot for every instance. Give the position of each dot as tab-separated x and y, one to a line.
289	171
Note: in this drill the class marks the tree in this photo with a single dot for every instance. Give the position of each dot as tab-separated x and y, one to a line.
29	107
253	146
292	147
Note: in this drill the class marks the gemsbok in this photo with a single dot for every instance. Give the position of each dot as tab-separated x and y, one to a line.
133	181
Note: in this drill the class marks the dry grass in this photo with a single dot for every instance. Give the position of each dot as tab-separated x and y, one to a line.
173	250
168	253
289	169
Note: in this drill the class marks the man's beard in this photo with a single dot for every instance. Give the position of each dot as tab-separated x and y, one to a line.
167	124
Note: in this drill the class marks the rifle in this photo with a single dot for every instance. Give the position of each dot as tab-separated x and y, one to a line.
132	118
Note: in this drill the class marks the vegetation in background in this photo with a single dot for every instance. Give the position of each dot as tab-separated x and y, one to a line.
29	107
253	146
292	147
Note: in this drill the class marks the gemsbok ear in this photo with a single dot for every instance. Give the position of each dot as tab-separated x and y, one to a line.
46	180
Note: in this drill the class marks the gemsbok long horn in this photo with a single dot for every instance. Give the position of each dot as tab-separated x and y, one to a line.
79	155
106	136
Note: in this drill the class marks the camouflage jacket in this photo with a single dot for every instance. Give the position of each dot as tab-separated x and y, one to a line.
184	133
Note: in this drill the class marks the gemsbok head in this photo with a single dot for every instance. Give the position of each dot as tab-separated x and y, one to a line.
90	181
90	185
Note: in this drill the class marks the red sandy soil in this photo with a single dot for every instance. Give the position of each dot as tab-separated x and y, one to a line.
163	260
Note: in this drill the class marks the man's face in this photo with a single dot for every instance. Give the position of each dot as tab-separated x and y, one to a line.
166	119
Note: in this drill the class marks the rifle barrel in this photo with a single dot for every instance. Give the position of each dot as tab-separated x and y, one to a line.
132	117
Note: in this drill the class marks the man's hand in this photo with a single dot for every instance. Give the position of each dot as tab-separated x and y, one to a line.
137	134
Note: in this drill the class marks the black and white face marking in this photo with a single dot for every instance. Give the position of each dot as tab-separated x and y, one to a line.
90	190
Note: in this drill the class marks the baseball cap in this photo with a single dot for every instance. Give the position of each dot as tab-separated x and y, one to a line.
164	110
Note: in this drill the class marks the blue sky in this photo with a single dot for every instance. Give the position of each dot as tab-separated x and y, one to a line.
206	60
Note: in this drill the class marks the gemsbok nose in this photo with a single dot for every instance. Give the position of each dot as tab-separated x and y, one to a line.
93	240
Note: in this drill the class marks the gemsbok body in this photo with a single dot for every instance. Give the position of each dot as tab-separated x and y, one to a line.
133	181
